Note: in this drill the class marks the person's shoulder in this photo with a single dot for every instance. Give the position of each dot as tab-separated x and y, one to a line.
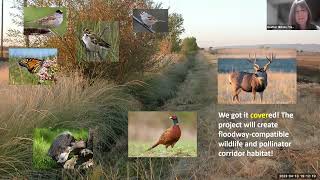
314	27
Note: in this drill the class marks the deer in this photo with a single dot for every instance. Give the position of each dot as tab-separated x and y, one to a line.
250	82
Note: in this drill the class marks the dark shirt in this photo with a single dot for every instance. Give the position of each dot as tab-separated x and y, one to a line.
309	27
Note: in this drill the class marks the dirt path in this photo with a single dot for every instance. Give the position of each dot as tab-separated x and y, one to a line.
198	90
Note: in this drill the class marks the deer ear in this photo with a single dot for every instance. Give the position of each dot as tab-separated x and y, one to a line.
266	67
256	67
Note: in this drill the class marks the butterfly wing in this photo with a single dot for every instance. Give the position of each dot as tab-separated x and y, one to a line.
32	64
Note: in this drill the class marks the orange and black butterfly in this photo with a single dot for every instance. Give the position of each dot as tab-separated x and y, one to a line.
32	64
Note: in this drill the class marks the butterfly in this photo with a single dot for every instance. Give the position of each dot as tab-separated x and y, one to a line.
32	64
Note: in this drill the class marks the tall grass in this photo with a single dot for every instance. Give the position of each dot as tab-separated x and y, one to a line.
72	103
157	89
75	102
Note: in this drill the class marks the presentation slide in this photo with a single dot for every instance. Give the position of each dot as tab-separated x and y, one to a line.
159	89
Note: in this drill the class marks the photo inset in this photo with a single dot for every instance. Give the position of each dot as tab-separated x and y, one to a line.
32	66
150	20
98	41
45	20
62	148
293	15
258	77
162	134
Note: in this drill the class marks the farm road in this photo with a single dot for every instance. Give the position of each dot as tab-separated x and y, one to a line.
198	91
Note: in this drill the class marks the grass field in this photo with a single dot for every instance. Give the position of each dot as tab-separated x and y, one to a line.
32	14
281	89
183	148
42	140
108	31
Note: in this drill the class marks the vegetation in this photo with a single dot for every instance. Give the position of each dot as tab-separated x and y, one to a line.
189	45
183	148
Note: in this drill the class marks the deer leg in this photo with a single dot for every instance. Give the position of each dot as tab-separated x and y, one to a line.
236	92
254	95
261	96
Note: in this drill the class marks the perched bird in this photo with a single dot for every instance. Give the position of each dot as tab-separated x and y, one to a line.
92	42
51	21
148	19
170	136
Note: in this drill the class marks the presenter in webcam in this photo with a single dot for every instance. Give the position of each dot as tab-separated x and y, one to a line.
300	16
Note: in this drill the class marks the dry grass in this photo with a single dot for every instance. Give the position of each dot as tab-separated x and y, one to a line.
281	89
73	102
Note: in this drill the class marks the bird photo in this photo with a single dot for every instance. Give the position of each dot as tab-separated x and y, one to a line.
43	20
93	42
98	41
150	20
170	136
55	148
165	134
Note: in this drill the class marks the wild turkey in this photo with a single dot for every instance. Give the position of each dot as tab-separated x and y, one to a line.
170	136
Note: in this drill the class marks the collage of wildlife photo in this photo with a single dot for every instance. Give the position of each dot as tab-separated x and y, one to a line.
160	89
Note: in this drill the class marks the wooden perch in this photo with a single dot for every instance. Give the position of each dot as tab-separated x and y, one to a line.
143	24
35	31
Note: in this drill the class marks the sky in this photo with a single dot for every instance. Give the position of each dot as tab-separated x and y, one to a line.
233	22
32	52
223	23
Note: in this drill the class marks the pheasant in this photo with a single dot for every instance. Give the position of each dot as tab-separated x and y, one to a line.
170	136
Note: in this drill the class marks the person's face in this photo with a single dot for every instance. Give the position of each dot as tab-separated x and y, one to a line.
301	15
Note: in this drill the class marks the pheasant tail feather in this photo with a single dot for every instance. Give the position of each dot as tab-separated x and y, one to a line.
155	145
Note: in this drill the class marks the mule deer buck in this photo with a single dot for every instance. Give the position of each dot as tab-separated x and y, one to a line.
250	82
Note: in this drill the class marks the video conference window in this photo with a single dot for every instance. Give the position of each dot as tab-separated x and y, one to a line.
293	15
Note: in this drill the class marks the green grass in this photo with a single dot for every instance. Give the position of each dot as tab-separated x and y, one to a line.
108	31
42	140
183	148
34	13
19	75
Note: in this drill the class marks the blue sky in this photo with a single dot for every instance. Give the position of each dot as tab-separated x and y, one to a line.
223	22
32	52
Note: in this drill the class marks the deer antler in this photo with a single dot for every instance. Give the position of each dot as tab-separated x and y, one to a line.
270	61
253	61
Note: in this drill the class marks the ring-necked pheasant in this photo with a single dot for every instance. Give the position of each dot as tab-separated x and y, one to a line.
170	136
